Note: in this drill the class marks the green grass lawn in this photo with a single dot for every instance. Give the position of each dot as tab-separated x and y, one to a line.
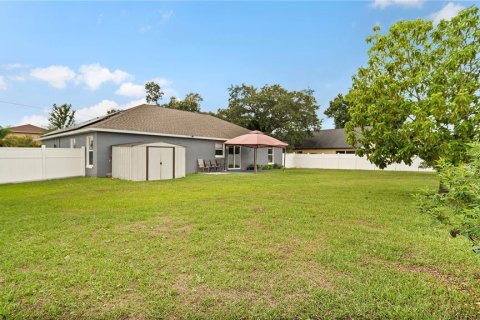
293	244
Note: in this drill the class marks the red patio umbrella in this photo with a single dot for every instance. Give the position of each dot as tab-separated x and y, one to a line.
256	139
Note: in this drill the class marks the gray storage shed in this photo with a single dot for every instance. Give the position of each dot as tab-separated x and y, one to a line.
148	161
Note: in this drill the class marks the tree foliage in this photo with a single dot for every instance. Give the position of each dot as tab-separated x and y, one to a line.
153	92
61	116
459	209
287	115
113	110
3	133
419	93
14	141
191	103
338	110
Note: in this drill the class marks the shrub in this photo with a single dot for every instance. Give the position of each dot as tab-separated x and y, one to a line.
459	208
14	141
271	166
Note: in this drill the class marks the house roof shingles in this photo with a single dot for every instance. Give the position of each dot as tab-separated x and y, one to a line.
27	128
160	120
326	139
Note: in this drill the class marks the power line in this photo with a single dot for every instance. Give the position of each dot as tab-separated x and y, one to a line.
21	104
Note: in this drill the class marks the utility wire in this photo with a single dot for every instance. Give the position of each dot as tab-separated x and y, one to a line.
21	104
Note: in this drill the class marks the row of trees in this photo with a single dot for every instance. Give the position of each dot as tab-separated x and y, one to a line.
286	115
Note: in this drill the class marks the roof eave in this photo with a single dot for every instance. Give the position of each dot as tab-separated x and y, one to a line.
86	130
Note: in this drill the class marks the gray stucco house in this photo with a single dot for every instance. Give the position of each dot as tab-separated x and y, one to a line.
202	135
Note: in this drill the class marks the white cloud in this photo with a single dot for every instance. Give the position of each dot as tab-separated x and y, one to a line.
56	76
101	108
83	114
12	66
404	3
94	75
166	15
36	120
97	110
3	84
446	13
18	77
129	89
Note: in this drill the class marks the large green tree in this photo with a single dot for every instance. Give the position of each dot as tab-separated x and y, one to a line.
153	92
419	93
287	115
191	103
61	116
338	110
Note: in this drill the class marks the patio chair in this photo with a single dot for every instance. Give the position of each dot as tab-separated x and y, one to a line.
208	165
220	164
201	165
213	165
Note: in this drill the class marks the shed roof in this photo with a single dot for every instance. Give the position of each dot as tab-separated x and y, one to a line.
143	143
159	120
326	139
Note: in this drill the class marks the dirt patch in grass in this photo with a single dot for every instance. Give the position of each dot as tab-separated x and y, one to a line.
255	224
257	209
368	223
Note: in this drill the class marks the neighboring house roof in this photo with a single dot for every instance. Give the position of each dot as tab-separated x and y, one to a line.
27	128
326	139
149	119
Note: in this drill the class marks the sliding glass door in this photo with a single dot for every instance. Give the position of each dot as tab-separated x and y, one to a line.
234	157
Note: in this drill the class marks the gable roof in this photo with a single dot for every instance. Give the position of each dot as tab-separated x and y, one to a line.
27	128
326	139
149	119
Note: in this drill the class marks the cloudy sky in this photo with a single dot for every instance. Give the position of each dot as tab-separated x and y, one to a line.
98	55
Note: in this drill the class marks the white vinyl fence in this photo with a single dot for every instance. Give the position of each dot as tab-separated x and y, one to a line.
31	164
344	161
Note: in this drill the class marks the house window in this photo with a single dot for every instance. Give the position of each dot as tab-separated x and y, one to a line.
219	150
73	143
90	152
270	155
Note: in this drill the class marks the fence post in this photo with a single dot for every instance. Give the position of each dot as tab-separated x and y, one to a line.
82	160
43	151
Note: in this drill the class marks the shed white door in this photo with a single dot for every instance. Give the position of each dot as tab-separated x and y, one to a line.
160	163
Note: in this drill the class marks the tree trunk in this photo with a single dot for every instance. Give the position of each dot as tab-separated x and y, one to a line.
442	189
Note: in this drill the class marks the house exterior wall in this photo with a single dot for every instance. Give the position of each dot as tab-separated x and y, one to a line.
194	149
322	151
262	159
